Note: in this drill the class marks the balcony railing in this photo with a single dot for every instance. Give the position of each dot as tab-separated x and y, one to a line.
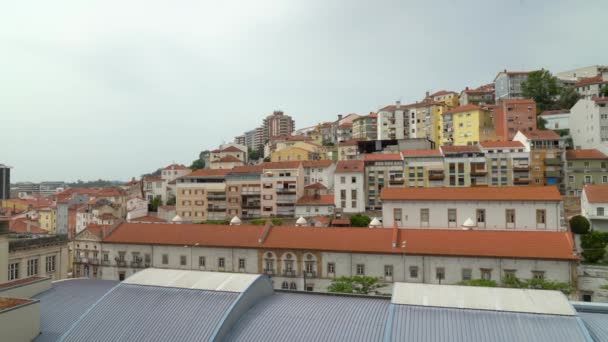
216	208
396	181
553	174
289	273
553	161
251	205
478	171
310	274
521	181
268	271
436	175
216	196
286	191
521	167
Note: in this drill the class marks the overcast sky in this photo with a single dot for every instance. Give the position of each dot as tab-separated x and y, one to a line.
119	88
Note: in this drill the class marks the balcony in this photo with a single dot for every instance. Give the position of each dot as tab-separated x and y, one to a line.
216	196
478	170
216	208
310	274
521	181
286	190
521	167
253	205
396	181
553	162
268	271
291	273
553	174
121	263
436	175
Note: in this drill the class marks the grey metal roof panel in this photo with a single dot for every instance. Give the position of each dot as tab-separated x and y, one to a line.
151	313
418	323
597	324
65	302
310	317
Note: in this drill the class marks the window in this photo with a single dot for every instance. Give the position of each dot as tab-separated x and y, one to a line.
413	271
510	215
50	263
586	165
486	274
451	216
538	275
600	211
32	267
604	179
331	267
388	270
481	217
221	262
360	269
424	216
293	286
353	179
165	259
440	273
571	179
467	274
541	216
353	198
13	271
285	285
241	264
510	273
397	215
182	260
201	261
343	198
342	180
106	257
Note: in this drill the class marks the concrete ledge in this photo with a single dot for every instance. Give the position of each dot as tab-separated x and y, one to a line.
25	288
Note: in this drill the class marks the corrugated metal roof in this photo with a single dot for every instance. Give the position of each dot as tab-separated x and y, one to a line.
597	324
312	317
65	302
200	280
417	323
151	313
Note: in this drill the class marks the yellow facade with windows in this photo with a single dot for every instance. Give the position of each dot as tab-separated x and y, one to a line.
48	219
466	127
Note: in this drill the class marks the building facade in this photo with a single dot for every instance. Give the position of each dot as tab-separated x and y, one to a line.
366	127
590	131
381	170
508	84
201	195
556	119
513	115
547	157
594	205
466	125
277	124
282	185
349	183
5	182
585	167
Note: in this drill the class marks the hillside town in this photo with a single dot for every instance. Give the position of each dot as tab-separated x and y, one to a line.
503	184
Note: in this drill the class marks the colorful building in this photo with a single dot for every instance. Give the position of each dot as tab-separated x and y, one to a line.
585	167
466	125
513	115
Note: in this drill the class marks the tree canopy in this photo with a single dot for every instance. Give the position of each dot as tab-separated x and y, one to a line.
355	284
542	87
568	97
594	246
360	220
604	91
579	224
155	203
197	164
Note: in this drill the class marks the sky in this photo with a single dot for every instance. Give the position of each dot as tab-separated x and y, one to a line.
114	89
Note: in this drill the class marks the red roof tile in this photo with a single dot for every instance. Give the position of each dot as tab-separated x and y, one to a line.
460	149
208	173
344	166
321	219
232	149
20	282
228	159
316	185
247	169
317	163
148	219
175	167
585	154
596	193
507	193
382	157
591	80
443	92
99	230
541	135
21	226
317	200
421	153
600	99
7	303
341	222
495	144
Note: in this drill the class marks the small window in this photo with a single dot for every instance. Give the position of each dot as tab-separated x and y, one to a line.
510	273
486	274
353	179
440	273
165	259
241	263
182	260
481	216
397	215
413	271
467	274
201	261
451	215
424	216
331	267
388	270
13	271
221	262
600	211
538	275
342	180
360	269
541	216
510	215
285	285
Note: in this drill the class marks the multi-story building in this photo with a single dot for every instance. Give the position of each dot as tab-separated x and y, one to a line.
315	205
381	170
446	97
296	153
244	192
319	171
591	87
513	115
344	131
508	84
590	129
425	118
393	122
5	182
228	156
423	168
585	167
366	127
479	96
278	124
48	219
508	163
575	75
594	205
349	185
515	208
37	256
154	187
282	185
556	119
201	195
87	251
309	258
547	151
65	201
465	166
348	150
466	125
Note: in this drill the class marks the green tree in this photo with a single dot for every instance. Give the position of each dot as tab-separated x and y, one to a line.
197	164
478	282
579	224
360	220
156	202
594	246
542	87
356	284
568	97
254	154
171	200
541	123
604	91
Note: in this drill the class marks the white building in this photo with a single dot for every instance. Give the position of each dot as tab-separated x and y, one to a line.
507	208
319	171
393	122
349	186
590	129
137	207
594	205
556	119
315	205
155	186
282	185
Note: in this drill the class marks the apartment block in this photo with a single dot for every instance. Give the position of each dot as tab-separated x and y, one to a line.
228	156
513	115
508	84
349	183
585	167
201	195
393	122
465	166
590	129
319	171
348	150
448	98
591	87
244	192
508	163
282	185
547	157
278	124
479	96
366	127
381	170
466	125
425	119
423	168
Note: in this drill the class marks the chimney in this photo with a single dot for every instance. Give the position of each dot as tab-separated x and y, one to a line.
339	117
467	88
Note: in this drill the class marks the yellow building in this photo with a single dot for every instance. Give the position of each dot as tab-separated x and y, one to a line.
48	219
15	204
292	154
449	98
466	125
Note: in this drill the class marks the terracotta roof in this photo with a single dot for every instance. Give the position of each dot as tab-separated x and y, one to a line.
316	185
318	200
317	163
555	112
228	159
321	219
517	101
281	165
591	80
585	154
7	303
98	230
232	149
507	193
21	226
495	144
341	222
20	282
382	157
107	216
208	173
465	108
352	142
443	92
600	99
596	193
421	153
153	179
392	108
541	135
148	218
346	124
460	149
175	167
508	244
247	169
344	166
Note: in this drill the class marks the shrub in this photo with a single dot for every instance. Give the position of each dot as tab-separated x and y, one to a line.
258	222
579	224
594	246
360	220
222	222
478	282
355	284
262	222
277	221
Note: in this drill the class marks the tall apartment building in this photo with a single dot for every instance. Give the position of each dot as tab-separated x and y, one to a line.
381	170
466	125
393	122
278	124
448	98
5	182
508	84
589	124
508	163
547	154
201	195
585	167
423	168
366	127
481	95
513	115
349	182
426	118
591	87
465	165
244	192
282	185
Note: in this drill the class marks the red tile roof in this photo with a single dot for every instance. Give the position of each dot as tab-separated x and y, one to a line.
232	149
228	159
382	157
346	124
495	144
507	193
465	108
460	149
421	153
591	80
341	222
344	166
443	92
317	163
600	99
541	135
318	200
316	185
394	107
107	216
175	167
507	244
208	173
99	230
321	219
281	165
247	169
21	226
20	282
148	219
7	303
596	193
517	101
585	154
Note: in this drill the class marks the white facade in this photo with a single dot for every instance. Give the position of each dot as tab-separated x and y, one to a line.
590	129
491	215
596	213
557	120
319	174
393	123
310	210
136	207
345	185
